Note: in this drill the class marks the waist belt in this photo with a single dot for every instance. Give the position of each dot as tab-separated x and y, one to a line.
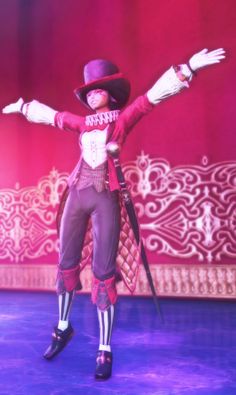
88	176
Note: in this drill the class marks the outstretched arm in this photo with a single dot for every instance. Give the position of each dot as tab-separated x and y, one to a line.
177	78
34	111
37	112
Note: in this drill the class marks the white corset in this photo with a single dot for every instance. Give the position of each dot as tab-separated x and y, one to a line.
93	145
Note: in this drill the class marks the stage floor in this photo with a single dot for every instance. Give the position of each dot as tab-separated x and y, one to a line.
193	353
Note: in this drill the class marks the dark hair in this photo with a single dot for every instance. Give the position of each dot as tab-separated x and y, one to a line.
112	103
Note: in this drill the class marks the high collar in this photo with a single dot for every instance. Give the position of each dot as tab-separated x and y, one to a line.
102	118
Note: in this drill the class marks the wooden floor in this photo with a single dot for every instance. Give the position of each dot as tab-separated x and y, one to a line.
192	353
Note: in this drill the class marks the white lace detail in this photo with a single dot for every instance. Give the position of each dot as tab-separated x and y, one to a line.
167	85
35	111
102	118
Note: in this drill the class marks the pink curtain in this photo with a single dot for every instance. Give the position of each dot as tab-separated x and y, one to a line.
44	45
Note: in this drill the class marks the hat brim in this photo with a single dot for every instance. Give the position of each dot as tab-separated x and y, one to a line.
116	84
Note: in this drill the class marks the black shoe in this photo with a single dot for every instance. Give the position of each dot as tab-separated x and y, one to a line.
103	365
59	341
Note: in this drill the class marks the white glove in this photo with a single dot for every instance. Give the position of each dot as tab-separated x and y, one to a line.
13	107
205	58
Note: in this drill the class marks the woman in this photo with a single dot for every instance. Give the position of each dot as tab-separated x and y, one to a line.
93	185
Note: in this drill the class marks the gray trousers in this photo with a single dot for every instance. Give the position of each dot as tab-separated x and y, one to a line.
103	208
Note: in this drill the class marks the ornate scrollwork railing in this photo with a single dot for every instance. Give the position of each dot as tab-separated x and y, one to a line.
185	211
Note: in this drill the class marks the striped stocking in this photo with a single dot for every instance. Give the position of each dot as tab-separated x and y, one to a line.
65	302
105	319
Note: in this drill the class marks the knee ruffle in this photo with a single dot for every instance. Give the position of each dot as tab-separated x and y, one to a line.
104	292
68	280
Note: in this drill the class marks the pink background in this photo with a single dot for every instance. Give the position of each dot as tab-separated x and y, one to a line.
44	45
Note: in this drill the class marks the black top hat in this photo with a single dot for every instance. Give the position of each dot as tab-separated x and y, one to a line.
103	74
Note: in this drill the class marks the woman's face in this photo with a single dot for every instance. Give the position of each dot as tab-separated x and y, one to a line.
98	100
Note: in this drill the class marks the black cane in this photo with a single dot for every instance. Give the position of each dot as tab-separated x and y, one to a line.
113	150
